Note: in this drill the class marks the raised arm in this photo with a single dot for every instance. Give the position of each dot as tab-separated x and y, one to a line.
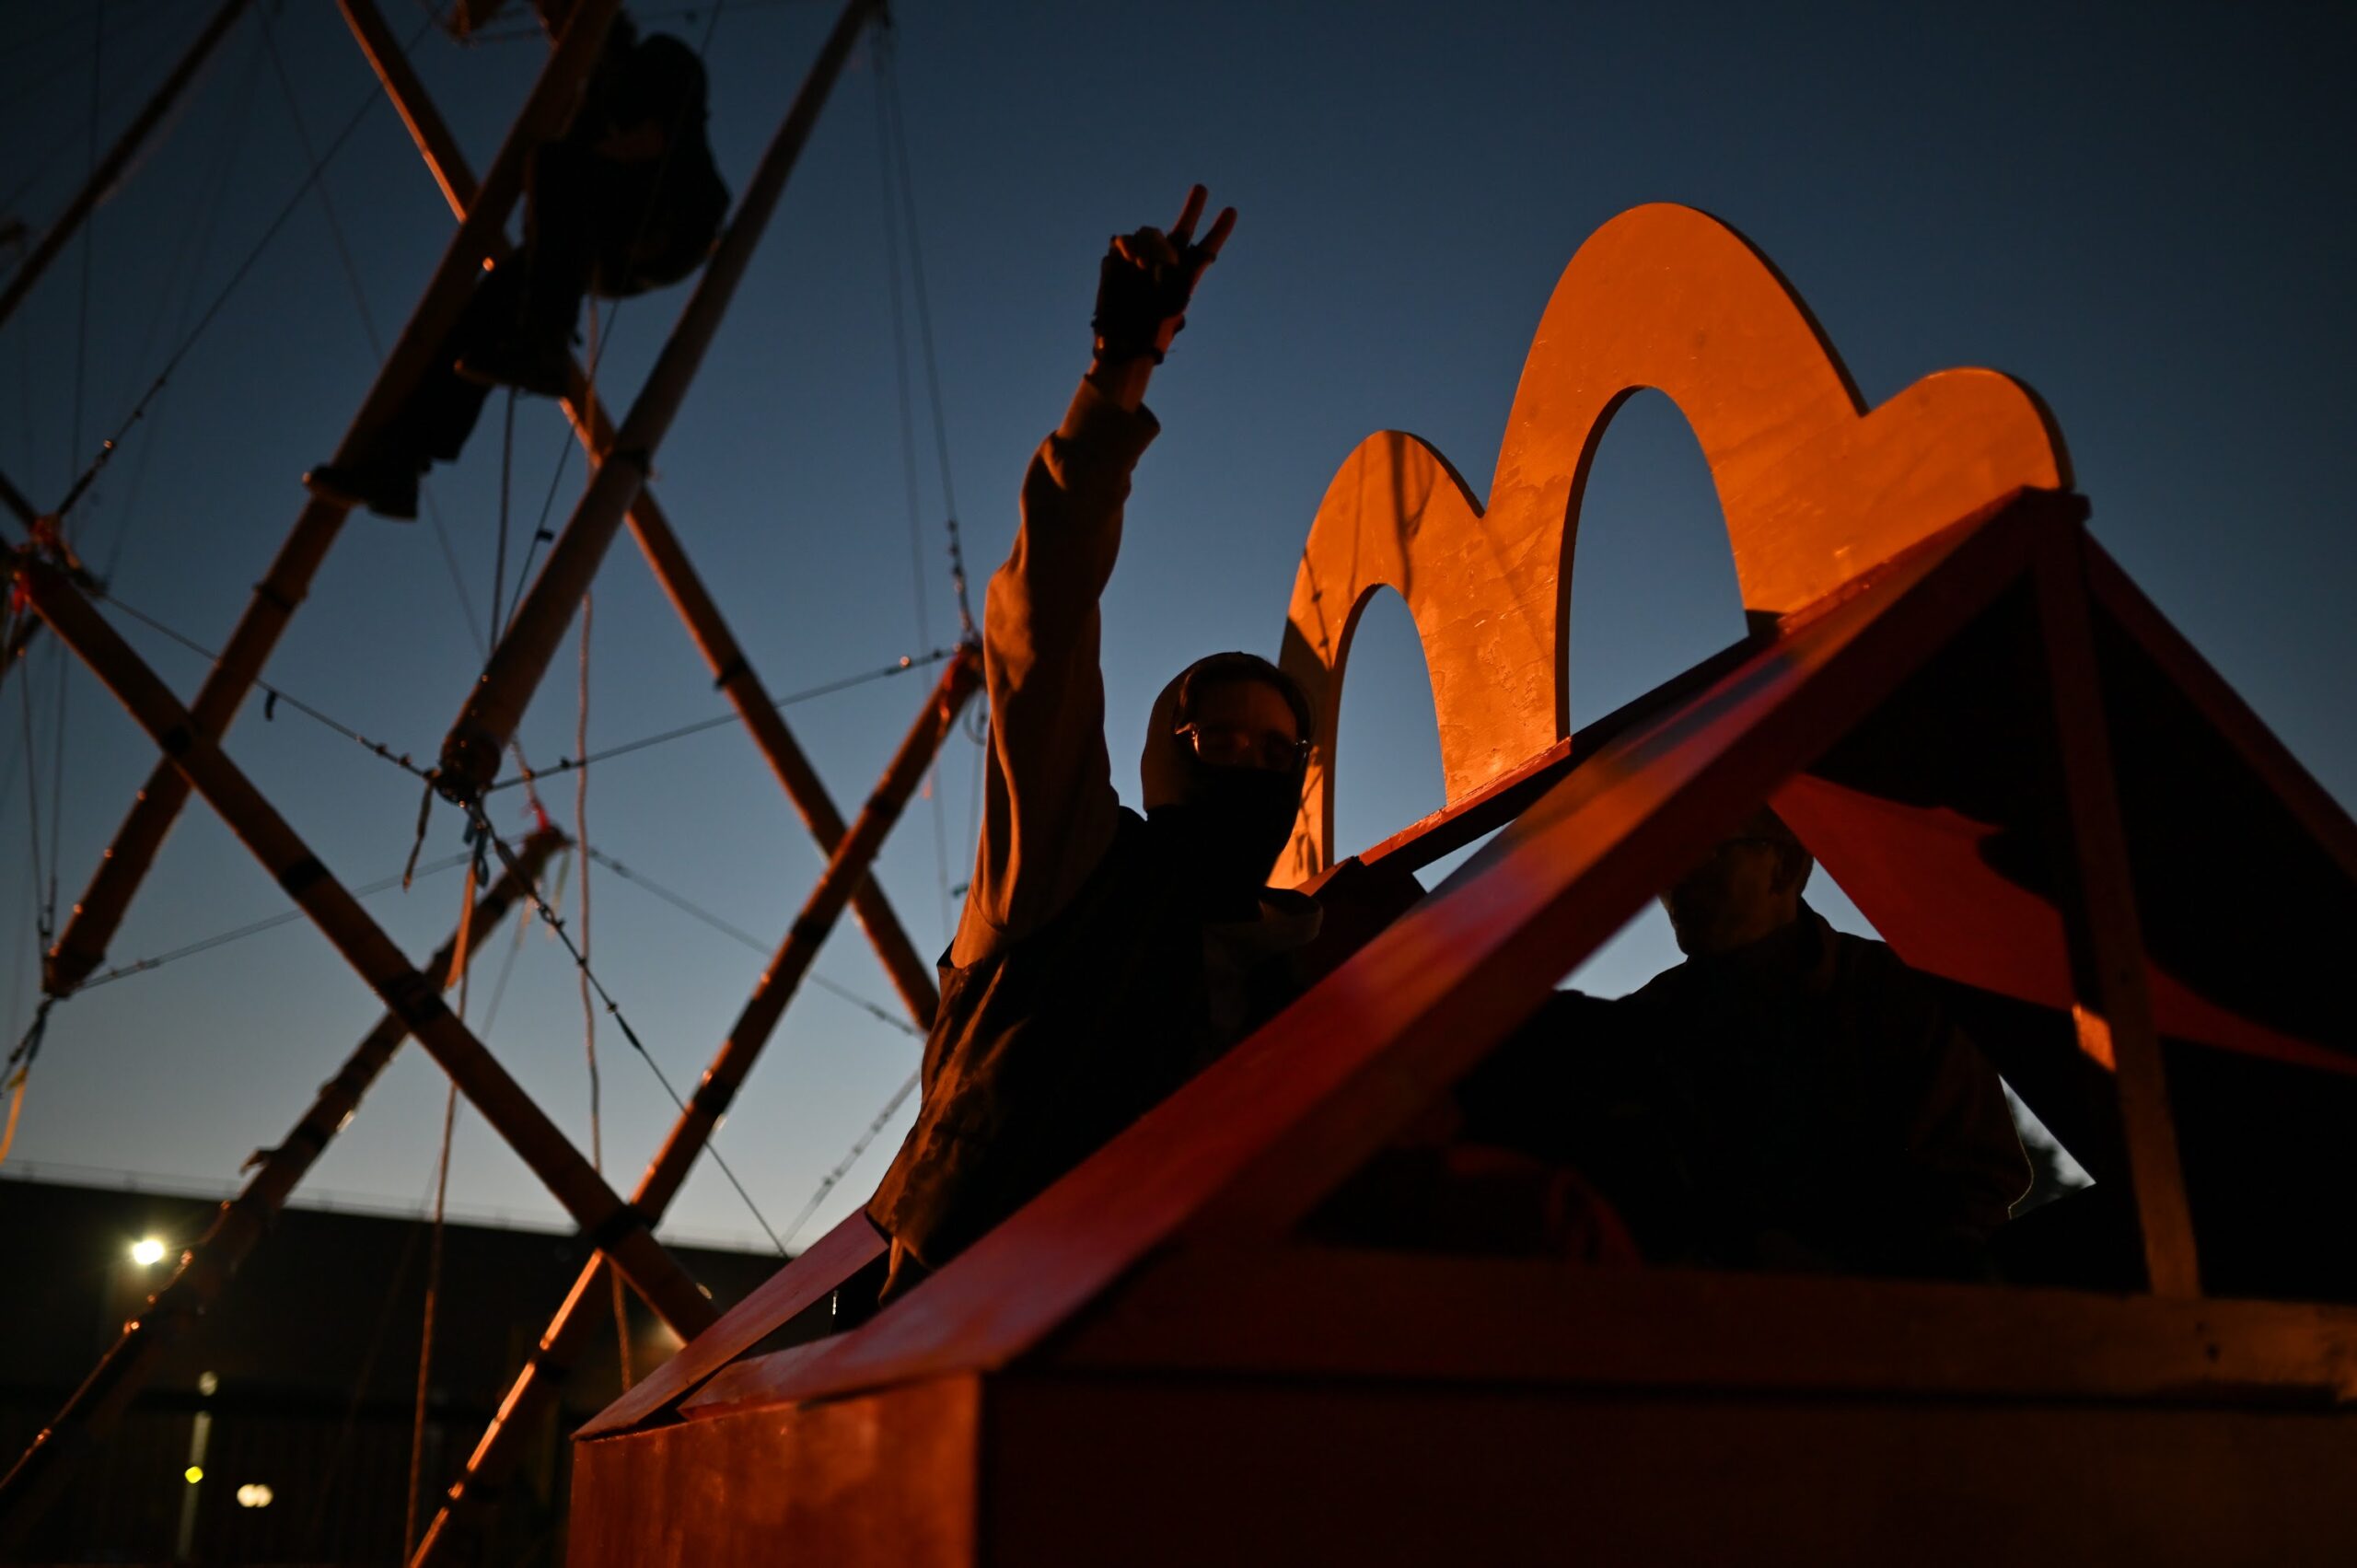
1049	805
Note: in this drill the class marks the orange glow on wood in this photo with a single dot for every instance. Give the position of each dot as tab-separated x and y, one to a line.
2095	1037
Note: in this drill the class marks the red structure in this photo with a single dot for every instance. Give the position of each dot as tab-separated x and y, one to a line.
2034	788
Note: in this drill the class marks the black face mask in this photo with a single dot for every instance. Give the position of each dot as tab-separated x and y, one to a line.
1228	831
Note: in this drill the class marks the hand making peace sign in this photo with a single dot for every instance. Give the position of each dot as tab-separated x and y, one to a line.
1147	278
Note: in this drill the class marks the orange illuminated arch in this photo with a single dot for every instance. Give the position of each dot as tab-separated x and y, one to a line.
1815	488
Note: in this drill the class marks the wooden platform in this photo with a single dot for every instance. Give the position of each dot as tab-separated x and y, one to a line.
1230	1410
2022	776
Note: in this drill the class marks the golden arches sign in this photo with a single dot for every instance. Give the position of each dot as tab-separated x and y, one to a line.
1815	488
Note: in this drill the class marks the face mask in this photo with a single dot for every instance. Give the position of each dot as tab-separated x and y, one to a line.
1230	829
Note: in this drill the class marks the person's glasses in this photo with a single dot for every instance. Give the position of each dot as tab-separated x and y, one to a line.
1234	746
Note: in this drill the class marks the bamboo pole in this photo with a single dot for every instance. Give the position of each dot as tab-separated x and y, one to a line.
81	946
470	753
910	975
569	1333
118	159
237	1229
2113	1010
612	1224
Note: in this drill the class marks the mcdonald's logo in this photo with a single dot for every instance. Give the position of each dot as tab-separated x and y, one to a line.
1816	488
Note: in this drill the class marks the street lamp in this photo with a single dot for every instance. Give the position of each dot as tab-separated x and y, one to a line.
146	1251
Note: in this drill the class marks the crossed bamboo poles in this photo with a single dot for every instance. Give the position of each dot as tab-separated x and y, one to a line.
190	738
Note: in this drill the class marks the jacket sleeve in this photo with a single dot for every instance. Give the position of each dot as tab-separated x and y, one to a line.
1048	804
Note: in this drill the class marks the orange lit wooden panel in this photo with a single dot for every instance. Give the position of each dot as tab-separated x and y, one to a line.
1815	489
888	1481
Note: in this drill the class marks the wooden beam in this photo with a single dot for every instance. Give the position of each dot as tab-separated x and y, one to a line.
732	671
208	1264
471	752
97	914
2113	1012
568	1335
612	1226
815	1270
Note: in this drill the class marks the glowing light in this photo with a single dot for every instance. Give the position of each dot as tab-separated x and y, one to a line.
146	1251
254	1495
193	1474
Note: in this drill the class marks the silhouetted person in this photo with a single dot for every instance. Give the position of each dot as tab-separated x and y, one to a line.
1102	957
628	199
1789	1097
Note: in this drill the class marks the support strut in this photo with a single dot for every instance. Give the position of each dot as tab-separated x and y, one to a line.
237	1229
2112	1009
569	1334
611	1224
81	945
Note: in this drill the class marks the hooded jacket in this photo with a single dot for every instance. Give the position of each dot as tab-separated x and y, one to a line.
1082	987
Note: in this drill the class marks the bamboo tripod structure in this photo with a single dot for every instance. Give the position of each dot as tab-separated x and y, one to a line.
190	738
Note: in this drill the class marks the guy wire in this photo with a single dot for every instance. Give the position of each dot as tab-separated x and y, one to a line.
748	940
851	1157
613	1009
565	764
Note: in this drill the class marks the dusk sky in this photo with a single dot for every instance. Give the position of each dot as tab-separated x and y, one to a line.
2147	213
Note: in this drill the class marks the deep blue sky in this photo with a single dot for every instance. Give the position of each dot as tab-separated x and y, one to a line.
2145	212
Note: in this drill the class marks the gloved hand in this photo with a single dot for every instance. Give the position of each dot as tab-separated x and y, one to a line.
1146	279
